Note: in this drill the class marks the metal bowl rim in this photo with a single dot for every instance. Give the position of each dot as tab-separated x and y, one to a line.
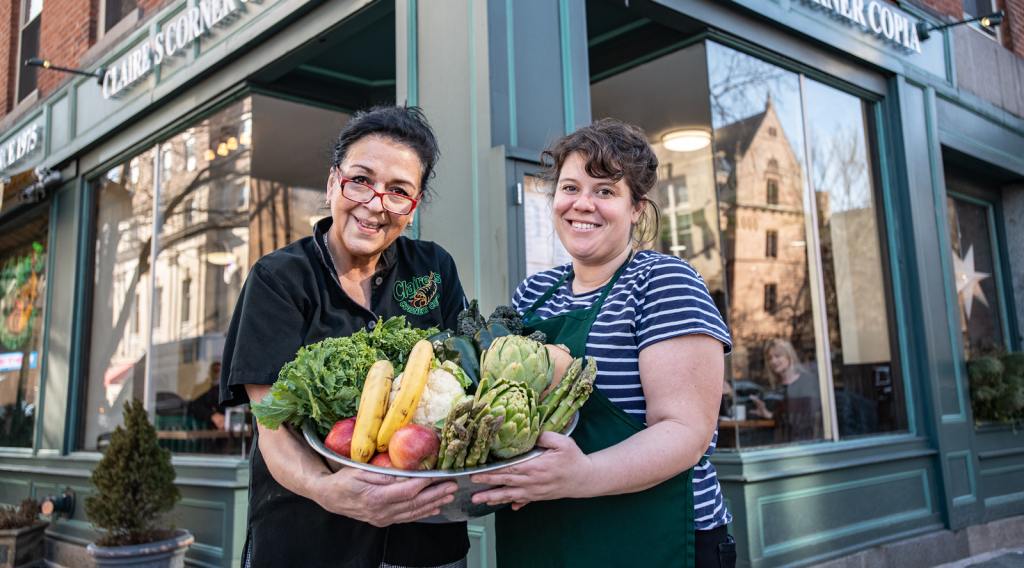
313	439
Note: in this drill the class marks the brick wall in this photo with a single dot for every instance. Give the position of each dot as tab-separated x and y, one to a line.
10	10
68	30
1012	29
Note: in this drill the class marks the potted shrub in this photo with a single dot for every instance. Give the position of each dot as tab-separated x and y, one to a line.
21	535
997	388
135	492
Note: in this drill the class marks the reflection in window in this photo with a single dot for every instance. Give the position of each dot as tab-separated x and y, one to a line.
544	249
771	247
976	275
211	230
23	252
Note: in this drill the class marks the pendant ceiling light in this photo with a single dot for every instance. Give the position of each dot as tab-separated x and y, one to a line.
686	140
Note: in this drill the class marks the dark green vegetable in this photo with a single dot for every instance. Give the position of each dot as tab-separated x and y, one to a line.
470	320
325	379
461	351
538	336
487	334
508	317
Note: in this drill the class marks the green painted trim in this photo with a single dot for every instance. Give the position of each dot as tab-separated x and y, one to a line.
895	274
982	146
855	528
1004	499
817	448
1002	470
618	31
985	114
412	80
945	248
284	97
479	532
79	326
831	466
44	349
412	59
647	57
513	133
997	262
973	496
568	93
346	77
477	289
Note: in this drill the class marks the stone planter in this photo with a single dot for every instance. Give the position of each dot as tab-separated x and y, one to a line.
23	547
168	553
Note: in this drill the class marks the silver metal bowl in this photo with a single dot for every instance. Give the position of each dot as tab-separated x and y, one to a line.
462	508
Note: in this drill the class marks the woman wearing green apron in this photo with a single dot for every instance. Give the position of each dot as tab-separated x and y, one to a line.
632	483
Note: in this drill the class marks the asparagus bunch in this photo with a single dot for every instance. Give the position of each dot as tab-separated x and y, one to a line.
569	396
468	432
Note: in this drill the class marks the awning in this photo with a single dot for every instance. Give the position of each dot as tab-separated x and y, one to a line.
29	186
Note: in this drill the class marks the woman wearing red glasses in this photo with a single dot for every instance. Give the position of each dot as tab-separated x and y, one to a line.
355	269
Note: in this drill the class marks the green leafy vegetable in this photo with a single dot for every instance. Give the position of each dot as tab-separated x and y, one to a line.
325	379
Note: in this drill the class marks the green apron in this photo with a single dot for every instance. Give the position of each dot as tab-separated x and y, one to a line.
648	528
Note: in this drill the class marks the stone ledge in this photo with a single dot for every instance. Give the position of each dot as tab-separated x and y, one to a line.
939	547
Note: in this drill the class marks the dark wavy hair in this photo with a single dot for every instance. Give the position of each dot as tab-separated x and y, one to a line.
613	150
403	124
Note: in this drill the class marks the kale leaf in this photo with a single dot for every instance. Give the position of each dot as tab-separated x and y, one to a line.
325	379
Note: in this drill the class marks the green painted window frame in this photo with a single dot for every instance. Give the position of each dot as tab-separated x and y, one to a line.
1000	259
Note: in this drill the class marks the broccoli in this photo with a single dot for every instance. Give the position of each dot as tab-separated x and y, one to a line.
470	320
508	317
538	336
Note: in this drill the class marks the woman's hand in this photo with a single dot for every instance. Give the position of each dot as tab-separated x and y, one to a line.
562	471
381	500
760	408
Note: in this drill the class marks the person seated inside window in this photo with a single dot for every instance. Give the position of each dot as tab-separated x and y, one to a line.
794	401
206	408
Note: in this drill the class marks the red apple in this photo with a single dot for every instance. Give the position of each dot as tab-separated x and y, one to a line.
382	460
414	447
339	439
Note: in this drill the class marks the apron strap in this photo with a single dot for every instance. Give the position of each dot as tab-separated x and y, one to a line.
551	291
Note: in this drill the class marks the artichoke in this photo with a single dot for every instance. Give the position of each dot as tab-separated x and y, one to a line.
515	405
516	358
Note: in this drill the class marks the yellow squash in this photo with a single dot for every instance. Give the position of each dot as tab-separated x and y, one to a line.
414	379
372	404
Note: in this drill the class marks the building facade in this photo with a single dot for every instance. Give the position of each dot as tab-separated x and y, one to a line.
851	191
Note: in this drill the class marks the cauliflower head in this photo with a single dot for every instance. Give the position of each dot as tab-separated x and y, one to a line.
441	390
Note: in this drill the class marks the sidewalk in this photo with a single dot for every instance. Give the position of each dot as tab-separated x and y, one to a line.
1003	558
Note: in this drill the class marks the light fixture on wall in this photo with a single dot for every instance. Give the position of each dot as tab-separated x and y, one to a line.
686	140
46	64
924	30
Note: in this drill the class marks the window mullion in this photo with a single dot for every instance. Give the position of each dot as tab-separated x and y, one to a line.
817	281
150	390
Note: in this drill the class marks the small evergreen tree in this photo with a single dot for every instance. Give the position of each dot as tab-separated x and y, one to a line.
134	484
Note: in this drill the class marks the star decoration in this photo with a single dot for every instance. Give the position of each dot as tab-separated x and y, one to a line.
968	281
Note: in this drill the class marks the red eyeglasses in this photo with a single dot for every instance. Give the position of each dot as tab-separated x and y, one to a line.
396	203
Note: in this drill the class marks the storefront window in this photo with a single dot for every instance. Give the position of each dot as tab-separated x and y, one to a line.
23	252
975	270
158	327
799	279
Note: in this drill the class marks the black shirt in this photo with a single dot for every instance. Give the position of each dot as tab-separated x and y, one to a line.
292	298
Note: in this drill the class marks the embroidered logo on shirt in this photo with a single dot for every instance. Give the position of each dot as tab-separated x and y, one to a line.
419	295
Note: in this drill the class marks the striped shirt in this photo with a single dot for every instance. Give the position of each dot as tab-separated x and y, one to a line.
658	297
